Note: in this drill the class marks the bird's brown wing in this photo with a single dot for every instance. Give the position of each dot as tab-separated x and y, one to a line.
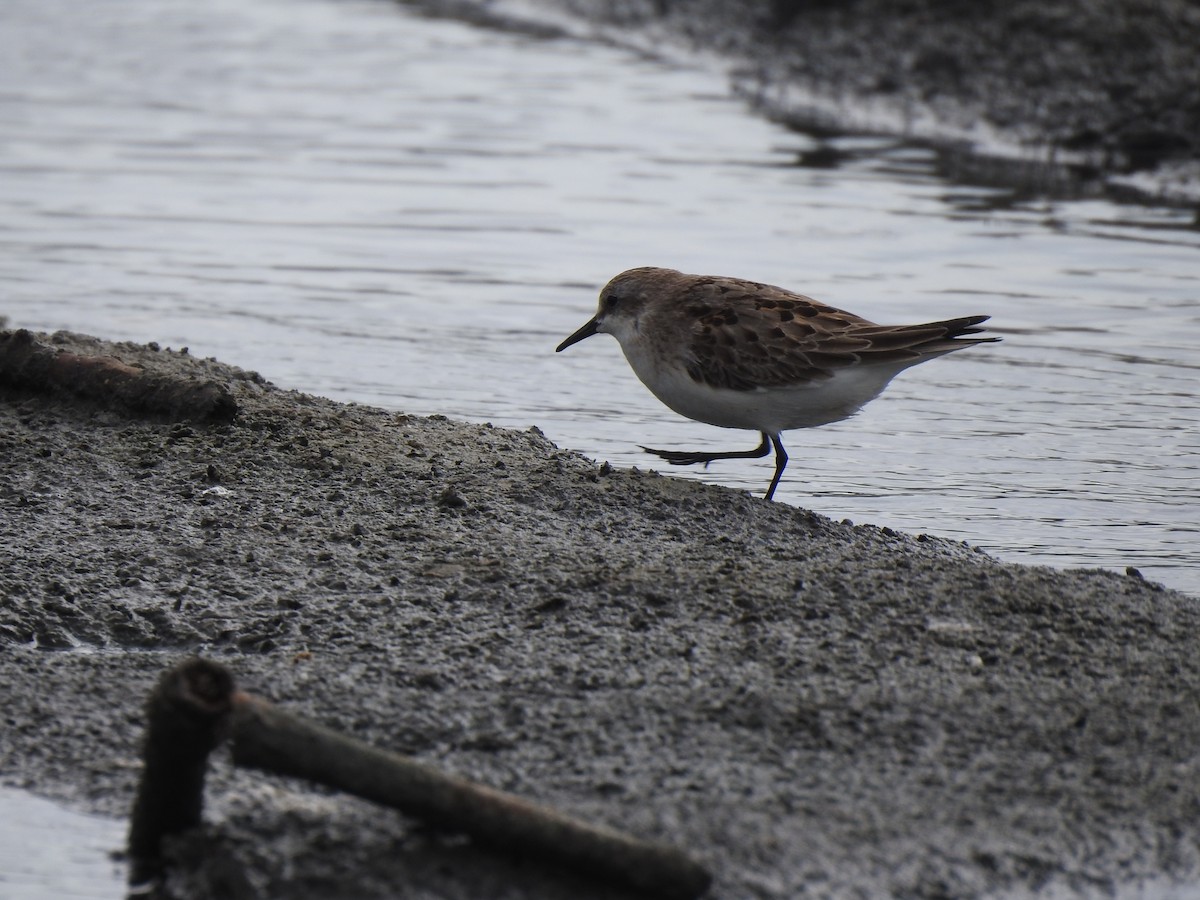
748	335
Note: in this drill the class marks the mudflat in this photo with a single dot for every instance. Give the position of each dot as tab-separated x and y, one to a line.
1088	97
809	707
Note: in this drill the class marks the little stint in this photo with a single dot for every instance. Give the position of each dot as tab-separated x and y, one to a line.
739	354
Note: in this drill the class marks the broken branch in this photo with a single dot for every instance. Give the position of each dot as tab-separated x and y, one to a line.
196	704
267	738
29	365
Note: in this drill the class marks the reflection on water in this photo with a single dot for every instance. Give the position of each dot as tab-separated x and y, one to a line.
412	213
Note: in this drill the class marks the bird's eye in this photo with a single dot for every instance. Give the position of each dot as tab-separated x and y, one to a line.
610	302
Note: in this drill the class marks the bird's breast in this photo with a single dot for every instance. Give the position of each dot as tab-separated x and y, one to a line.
770	409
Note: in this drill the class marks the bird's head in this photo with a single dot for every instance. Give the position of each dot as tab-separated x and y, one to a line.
622	302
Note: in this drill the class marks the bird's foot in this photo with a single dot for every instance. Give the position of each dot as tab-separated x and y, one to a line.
681	457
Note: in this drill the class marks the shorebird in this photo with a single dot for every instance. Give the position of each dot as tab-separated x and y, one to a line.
739	354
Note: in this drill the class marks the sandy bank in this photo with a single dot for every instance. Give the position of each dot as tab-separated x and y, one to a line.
812	708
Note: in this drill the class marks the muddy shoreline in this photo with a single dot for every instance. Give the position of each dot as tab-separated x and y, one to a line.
1067	98
811	708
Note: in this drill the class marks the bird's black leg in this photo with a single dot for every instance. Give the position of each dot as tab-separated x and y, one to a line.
781	461
686	458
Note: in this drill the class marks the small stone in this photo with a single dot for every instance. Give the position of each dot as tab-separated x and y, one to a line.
451	499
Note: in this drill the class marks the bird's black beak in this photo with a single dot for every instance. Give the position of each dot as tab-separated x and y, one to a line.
585	332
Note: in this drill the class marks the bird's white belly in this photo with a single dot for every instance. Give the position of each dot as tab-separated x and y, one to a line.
766	409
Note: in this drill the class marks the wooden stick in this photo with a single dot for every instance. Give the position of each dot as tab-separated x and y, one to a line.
29	365
265	737
196	705
187	714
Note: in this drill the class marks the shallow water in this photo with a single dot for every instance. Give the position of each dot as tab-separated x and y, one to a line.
412	213
48	852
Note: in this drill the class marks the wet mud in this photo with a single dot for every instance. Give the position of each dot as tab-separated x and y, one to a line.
1096	98
808	707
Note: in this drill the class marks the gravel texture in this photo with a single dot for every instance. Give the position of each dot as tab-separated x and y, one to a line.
812	708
